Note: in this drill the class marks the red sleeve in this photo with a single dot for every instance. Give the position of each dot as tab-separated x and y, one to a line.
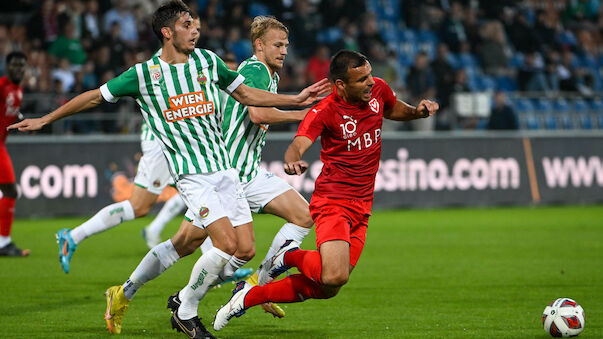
313	123
388	95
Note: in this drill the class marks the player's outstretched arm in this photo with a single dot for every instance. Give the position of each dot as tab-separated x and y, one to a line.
293	156
256	97
405	112
80	103
271	115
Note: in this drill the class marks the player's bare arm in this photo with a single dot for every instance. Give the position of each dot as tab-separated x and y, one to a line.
405	112
270	115
80	103
256	97
293	156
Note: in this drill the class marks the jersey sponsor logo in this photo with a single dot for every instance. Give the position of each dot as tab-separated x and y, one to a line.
364	141
188	105
155	72
374	105
348	127
201	78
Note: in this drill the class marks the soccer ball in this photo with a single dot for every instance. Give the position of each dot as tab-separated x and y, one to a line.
563	317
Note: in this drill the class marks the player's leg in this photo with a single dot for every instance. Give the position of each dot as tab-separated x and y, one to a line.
173	207
156	261
220	205
7	206
335	259
110	216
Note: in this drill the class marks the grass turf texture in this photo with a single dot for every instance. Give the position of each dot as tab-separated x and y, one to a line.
457	273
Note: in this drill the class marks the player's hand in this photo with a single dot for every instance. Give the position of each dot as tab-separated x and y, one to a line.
314	92
427	108
296	167
28	125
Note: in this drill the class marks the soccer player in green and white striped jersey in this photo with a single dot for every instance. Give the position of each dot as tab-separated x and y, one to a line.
178	96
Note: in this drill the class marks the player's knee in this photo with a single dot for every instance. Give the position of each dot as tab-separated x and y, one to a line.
245	254
335	279
303	219
141	210
227	245
182	246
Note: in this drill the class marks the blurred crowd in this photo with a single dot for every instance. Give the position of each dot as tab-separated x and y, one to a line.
423	48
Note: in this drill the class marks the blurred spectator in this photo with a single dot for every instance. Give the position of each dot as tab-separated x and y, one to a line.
494	52
65	75
318	65
341	12
421	85
521	34
348	39
91	25
531	76
121	13
304	27
230	60
239	46
576	11
384	66
68	47
444	84
118	47
43	26
502	116
452	31
369	34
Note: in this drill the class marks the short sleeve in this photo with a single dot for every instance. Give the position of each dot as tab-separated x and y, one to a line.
126	84
228	80
388	95
313	124
256	75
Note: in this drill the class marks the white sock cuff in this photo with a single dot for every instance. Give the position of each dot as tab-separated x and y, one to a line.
295	232
166	253
128	210
236	262
220	253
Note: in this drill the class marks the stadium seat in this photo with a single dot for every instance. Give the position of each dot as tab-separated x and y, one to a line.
407	35
485	83
586	120
467	60
523	105
258	9
516	60
329	35
505	84
543	105
580	106
596	105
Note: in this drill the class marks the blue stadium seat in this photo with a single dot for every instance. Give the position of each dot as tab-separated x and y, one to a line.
428	36
467	60
523	105
506	84
516	60
329	35
563	113
485	83
561	105
257	9
453	61
596	105
543	105
586	120
407	35
580	106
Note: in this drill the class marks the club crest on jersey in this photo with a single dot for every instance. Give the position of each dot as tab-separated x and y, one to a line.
155	72
204	212
201	79
348	127
374	105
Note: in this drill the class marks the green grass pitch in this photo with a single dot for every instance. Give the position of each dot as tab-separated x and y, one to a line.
451	273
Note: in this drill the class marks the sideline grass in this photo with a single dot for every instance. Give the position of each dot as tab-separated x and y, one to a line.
454	273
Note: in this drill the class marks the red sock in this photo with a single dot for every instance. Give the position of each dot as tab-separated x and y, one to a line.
307	262
7	212
294	288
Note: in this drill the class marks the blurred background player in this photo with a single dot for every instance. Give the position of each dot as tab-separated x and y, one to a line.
11	94
349	124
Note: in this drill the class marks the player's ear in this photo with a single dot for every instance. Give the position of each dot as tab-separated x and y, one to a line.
257	44
167	32
340	84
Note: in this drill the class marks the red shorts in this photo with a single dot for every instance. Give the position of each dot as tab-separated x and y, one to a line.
7	174
341	219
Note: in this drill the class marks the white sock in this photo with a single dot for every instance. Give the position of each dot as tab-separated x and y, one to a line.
204	274
169	211
230	268
288	231
207	245
157	260
6	240
107	218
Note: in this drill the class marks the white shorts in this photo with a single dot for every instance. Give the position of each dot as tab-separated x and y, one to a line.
212	196
263	188
153	173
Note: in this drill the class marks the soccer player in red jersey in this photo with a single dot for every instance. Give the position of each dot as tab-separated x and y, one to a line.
349	124
10	102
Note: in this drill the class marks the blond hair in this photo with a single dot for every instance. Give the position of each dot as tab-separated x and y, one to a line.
261	25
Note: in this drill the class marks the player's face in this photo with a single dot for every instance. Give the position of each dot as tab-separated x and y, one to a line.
197	23
359	84
15	69
186	34
274	48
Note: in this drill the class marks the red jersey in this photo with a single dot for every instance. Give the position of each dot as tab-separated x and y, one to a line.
10	102
351	142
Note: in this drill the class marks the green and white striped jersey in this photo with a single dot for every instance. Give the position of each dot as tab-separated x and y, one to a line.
145	132
181	105
244	139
